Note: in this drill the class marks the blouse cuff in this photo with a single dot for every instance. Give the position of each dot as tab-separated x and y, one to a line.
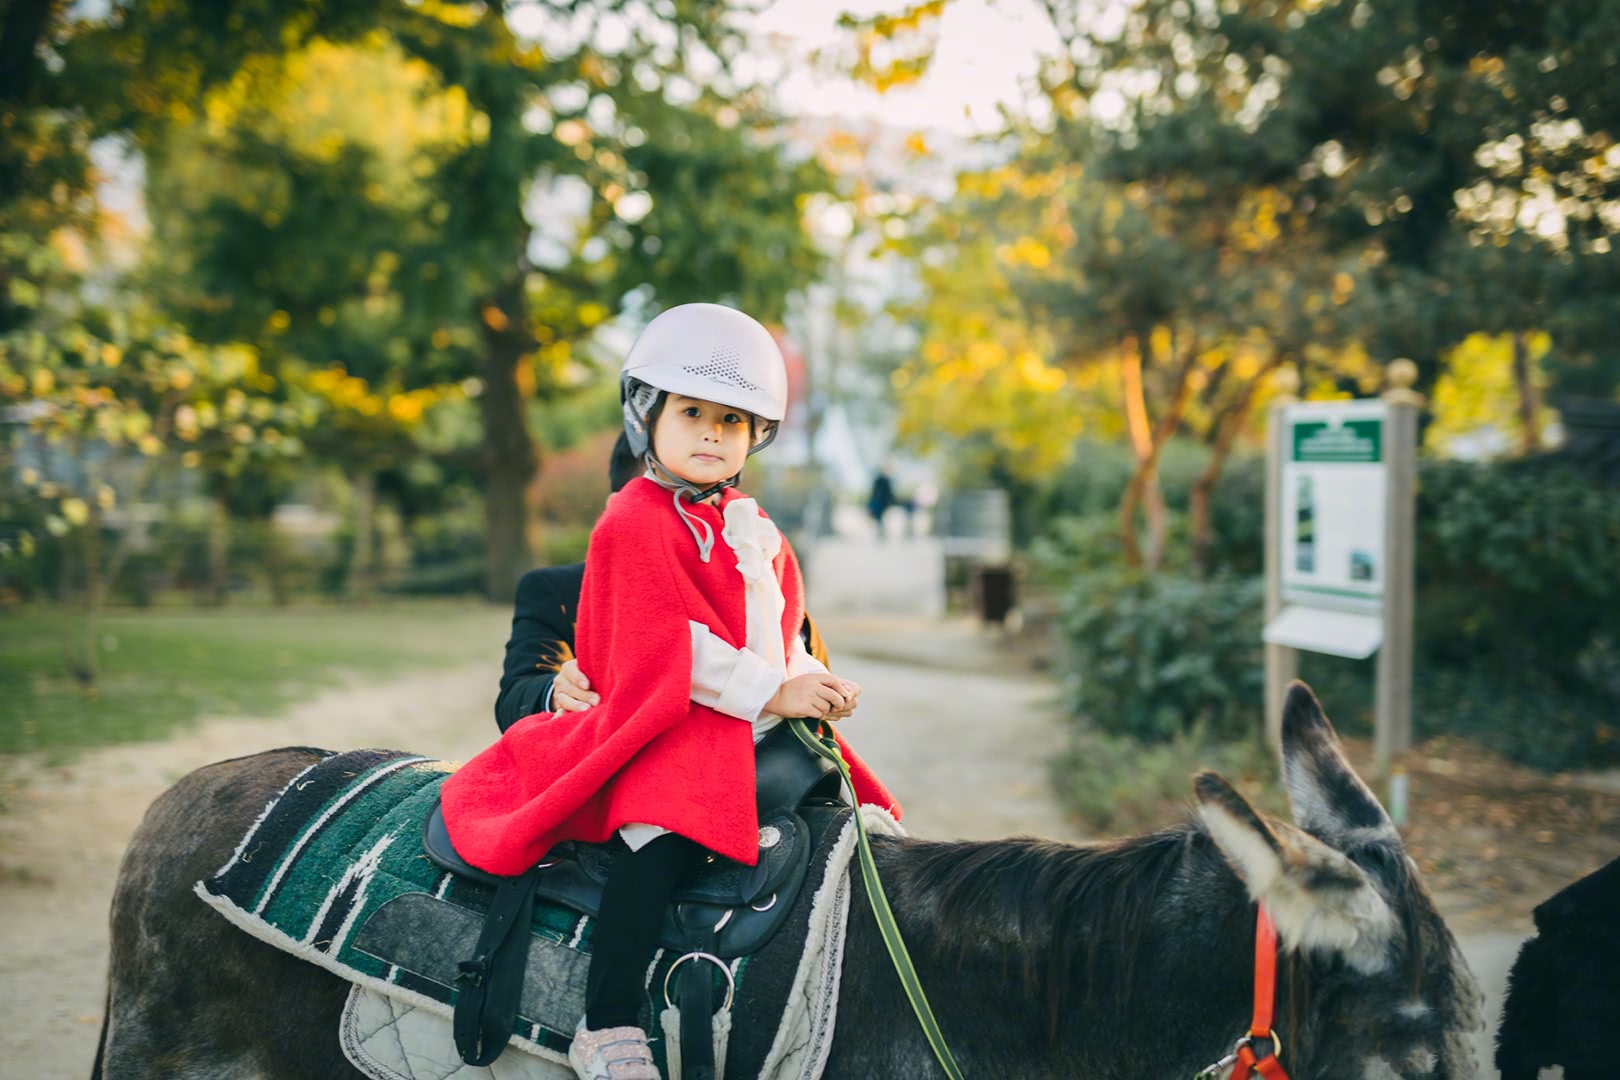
737	682
751	685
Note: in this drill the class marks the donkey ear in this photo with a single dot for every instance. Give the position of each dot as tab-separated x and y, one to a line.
1319	899
1328	798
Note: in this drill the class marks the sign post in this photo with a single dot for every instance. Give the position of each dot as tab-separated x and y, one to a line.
1393	732
1282	662
1340	483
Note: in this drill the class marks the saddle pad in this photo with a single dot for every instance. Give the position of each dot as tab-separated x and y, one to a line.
389	1039
344	838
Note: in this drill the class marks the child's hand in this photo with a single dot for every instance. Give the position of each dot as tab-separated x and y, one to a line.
852	694
818	696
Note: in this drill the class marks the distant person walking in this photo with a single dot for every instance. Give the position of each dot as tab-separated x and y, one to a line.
882	497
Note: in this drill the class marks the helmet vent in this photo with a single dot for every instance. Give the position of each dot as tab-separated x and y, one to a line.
723	366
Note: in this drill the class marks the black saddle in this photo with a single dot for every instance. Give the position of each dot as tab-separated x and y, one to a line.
741	904
723	909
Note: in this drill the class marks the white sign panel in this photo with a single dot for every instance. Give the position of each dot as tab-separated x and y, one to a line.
1334	501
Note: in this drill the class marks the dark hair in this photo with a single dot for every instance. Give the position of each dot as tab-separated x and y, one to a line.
653	413
623	466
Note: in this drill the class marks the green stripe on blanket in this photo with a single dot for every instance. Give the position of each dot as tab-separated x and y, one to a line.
343	839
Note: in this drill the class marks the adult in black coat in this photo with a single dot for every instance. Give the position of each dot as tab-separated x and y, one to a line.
1563	1002
540	673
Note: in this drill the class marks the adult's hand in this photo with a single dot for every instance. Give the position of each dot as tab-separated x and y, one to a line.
571	692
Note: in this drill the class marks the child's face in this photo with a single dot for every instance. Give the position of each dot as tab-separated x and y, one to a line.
701	442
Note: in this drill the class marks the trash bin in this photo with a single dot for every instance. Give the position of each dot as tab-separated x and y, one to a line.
993	593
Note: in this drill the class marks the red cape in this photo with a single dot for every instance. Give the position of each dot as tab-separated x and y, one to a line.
648	752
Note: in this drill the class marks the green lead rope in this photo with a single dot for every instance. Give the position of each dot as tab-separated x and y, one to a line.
827	747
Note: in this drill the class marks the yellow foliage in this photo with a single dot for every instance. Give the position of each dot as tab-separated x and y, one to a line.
327	97
460	16
1477	389
1027	251
994	396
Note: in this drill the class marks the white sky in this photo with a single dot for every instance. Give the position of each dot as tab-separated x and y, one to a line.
986	50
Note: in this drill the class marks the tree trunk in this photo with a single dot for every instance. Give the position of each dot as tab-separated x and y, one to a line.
1529	405
1203	489
1147	442
82	659
1141	436
362	577
219	553
510	457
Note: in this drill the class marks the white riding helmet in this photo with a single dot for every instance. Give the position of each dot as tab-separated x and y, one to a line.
705	351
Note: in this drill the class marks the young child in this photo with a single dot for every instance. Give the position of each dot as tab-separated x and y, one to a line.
689	628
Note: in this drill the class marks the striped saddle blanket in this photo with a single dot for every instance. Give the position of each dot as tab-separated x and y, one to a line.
343	839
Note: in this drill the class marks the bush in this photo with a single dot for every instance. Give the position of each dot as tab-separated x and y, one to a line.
1117	785
1517	624
447	551
1518	609
1159	656
1091	486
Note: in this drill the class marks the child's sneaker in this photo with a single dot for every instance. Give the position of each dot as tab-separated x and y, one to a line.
618	1053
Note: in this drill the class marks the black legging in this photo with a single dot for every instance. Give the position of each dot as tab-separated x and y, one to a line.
633	902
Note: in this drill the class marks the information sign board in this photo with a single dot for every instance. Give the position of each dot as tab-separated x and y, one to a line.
1334	502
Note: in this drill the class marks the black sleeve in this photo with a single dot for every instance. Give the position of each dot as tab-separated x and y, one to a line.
543	615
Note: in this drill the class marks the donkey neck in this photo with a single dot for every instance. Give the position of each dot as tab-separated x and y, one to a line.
1079	955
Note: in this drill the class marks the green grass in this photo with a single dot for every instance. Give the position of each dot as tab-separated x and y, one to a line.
161	670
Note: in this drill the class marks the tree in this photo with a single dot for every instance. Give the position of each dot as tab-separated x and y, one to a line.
114	401
1328	185
461	281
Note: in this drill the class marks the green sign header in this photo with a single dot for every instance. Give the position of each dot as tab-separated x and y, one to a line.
1352	442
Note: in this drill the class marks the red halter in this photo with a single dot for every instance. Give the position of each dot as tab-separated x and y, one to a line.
1249	1063
1245	1060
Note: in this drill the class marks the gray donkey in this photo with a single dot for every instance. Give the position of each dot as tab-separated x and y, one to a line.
1132	959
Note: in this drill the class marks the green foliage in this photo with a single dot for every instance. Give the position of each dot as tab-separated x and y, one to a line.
568	419
1116	785
1157	656
1518	609
1444	160
1071	515
1517	619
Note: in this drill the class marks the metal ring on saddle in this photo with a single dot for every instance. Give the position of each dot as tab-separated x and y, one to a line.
768	904
731	982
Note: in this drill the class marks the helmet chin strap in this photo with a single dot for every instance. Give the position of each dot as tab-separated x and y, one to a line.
661	475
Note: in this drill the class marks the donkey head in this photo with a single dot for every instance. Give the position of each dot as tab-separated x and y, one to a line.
1390	994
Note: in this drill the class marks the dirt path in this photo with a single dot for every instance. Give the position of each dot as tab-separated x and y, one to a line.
964	752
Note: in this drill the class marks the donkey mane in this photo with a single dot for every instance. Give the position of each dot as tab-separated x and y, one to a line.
1072	916
1064	911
